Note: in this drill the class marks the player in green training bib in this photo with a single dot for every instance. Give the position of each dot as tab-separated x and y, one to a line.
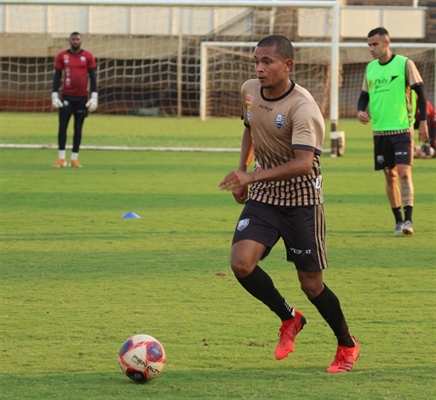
387	102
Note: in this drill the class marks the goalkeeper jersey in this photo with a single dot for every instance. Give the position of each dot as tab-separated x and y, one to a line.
75	69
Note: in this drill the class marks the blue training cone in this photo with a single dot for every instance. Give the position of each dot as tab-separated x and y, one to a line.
130	215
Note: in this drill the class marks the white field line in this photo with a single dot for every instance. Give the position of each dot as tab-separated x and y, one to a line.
130	148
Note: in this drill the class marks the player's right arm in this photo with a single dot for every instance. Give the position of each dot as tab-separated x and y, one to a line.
240	193
55	101
362	103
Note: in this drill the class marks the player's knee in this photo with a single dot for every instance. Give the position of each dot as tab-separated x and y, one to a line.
311	286
240	267
405	177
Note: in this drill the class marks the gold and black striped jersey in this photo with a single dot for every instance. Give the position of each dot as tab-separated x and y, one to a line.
278	127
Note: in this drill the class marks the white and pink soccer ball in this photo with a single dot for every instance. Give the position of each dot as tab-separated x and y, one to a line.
142	358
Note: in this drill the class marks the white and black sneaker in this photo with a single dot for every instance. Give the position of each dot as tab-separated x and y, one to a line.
408	228
399	228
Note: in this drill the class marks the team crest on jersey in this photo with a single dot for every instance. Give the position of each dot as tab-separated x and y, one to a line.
280	121
242	224
83	58
380	159
248	104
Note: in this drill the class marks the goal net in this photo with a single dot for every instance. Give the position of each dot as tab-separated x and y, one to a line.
149	53
226	66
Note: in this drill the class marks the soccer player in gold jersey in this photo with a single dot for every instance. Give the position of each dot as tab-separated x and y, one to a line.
284	132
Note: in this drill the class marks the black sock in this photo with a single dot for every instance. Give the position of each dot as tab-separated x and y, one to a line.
329	307
408	213
260	285
397	214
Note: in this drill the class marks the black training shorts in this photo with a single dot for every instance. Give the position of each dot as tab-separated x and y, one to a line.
74	105
302	229
391	150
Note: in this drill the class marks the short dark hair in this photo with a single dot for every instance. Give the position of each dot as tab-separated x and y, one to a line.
283	46
75	33
378	31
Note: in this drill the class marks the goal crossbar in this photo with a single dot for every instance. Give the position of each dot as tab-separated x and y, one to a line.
182	3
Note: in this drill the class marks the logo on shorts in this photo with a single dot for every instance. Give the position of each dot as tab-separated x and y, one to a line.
242	224
300	252
280	121
380	159
66	103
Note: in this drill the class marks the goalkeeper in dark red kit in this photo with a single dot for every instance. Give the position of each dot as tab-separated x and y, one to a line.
73	66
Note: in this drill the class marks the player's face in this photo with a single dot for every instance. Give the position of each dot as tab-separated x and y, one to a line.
378	46
272	70
75	42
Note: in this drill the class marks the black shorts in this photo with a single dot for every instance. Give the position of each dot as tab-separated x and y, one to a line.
74	105
302	229
392	150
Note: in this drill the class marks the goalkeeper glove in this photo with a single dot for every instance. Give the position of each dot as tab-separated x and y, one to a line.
92	102
55	102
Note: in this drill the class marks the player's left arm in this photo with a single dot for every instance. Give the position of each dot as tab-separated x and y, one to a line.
416	83
422	105
92	103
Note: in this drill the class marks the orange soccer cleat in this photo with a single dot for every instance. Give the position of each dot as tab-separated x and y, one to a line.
345	358
288	332
75	164
60	163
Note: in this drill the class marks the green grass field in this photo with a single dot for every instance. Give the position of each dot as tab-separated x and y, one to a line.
77	279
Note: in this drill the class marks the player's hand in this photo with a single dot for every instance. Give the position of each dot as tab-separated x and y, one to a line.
423	131
363	117
92	103
235	179
55	102
240	194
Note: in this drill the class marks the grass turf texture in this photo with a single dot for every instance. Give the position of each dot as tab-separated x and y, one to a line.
77	280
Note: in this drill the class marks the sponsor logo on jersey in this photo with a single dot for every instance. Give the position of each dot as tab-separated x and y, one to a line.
280	121
249	97
248	104
248	114
266	108
242	224
379	83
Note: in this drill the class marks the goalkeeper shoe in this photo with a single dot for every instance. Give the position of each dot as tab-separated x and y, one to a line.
288	332
345	358
75	164
60	163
